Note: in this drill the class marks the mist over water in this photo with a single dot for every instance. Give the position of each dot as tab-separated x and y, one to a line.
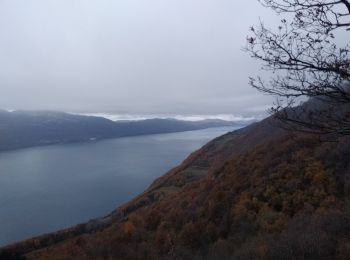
191	117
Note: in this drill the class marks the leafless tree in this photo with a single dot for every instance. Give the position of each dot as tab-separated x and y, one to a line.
309	57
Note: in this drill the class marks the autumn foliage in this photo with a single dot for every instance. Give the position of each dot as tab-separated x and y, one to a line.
286	198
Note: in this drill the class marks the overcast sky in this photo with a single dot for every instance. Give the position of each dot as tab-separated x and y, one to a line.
129	56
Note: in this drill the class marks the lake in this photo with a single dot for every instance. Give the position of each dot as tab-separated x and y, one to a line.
44	189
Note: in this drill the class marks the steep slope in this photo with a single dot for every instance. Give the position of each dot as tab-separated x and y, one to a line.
256	193
20	129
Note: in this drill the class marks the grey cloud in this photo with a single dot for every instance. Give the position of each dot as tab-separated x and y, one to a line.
134	56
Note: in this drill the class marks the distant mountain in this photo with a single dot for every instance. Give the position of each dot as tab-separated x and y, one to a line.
256	193
20	129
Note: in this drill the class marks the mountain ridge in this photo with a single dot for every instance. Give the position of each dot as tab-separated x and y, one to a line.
22	129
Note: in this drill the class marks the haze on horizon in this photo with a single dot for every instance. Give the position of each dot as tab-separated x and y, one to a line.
180	57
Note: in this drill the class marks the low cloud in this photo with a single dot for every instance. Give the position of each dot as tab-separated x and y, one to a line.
134	117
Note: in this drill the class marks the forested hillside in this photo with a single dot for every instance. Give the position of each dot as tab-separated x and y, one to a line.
259	192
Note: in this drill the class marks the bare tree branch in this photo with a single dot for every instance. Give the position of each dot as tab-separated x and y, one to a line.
307	61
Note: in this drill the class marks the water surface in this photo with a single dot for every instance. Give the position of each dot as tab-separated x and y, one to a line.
44	189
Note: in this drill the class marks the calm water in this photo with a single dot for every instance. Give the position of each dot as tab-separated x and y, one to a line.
48	188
